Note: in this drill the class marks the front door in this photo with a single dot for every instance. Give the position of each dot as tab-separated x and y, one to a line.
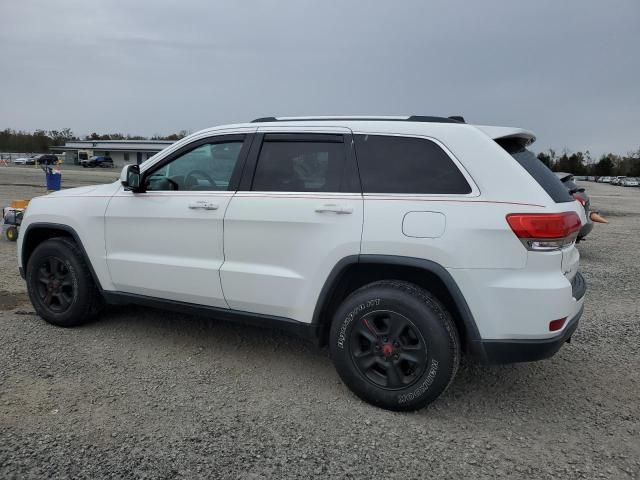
297	213
167	241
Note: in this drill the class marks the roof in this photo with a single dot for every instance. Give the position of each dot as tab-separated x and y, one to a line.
379	124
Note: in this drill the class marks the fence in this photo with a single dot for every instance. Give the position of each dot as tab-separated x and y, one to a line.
7	159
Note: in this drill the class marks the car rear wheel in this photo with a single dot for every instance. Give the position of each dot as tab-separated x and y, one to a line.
60	284
394	345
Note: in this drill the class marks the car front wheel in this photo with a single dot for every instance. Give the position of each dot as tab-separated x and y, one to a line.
60	284
394	345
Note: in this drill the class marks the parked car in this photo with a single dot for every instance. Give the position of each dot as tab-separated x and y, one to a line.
46	159
604	180
24	161
630	182
616	180
371	235
581	196
98	161
591	178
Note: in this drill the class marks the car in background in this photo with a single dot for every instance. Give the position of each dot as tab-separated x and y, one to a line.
579	193
46	159
98	161
604	180
591	178
24	161
617	180
630	182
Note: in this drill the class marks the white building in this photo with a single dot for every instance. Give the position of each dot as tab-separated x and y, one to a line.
121	151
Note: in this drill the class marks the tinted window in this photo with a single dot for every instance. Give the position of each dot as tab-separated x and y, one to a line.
538	170
206	167
406	165
299	166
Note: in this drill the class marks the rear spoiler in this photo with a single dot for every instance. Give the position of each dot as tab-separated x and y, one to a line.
521	137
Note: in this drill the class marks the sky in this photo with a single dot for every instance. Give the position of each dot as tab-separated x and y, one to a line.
568	70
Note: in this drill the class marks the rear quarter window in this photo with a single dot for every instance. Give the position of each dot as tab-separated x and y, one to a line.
395	164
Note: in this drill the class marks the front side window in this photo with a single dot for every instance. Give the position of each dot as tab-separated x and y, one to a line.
300	166
207	167
394	164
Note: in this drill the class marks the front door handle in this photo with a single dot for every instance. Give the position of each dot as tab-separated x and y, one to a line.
333	208
203	205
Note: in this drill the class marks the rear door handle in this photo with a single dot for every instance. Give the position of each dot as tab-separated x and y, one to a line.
333	208
203	205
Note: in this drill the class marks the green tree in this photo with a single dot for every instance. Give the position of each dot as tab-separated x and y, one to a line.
546	159
604	166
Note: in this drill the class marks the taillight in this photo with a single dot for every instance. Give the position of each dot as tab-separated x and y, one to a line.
545	231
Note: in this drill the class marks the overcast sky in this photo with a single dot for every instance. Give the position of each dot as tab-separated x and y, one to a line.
568	70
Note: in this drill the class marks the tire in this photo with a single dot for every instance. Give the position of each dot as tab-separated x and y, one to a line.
394	345
11	233
60	284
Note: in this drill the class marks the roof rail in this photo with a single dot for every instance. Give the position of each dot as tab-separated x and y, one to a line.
411	118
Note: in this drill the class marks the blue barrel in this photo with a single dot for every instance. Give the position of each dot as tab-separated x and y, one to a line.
54	181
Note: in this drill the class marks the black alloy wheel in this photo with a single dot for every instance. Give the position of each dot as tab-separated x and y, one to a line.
60	283
388	349
394	344
55	286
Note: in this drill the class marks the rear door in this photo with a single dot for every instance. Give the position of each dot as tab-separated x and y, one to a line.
298	212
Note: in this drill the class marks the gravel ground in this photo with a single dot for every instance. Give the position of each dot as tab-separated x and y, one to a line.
143	393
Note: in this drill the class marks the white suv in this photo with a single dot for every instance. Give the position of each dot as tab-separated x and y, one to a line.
400	242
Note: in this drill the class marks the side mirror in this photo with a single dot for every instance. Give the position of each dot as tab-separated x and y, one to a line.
131	178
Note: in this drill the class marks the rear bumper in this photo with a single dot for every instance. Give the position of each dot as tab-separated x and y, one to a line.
512	351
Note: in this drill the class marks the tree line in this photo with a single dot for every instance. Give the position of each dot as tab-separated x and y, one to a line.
39	141
580	163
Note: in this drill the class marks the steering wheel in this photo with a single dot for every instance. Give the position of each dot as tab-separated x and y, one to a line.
159	178
190	179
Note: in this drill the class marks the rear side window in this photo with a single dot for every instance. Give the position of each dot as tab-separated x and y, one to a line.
538	170
391	164
300	166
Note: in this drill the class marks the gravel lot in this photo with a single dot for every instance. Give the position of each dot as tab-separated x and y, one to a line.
143	393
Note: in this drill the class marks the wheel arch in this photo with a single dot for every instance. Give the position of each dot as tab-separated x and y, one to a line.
358	270
36	233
